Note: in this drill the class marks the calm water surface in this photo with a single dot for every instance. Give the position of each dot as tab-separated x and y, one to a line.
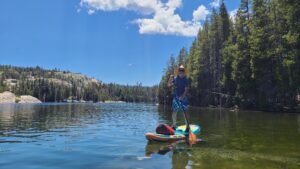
112	136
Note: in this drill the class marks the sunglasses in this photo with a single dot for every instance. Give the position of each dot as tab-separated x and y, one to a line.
181	70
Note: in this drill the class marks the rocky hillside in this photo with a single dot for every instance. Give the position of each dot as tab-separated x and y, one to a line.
57	86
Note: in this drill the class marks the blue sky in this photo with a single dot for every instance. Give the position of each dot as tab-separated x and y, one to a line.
114	40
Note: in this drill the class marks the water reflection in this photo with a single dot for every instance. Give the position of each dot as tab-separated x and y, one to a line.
36	122
45	117
179	152
112	136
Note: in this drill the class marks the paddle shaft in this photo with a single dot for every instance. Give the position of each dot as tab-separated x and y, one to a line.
184	114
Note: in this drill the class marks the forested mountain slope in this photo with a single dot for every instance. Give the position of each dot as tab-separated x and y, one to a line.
56	86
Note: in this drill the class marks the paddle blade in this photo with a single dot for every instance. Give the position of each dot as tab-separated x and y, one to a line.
192	138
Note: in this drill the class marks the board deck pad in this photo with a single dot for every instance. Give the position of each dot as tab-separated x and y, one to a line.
179	134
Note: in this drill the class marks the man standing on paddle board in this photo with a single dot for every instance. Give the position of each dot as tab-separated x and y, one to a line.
180	84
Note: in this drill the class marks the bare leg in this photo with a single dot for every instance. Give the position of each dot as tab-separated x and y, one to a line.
174	117
187	116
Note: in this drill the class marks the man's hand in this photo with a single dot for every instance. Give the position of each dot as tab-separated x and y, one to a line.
181	98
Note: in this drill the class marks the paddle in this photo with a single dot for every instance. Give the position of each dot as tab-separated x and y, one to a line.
191	137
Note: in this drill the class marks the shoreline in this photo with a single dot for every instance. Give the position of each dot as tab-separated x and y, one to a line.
233	109
8	97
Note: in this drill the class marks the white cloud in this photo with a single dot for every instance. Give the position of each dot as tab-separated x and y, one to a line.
232	14
168	25
141	6
200	13
91	11
166	21
161	19
215	3
174	4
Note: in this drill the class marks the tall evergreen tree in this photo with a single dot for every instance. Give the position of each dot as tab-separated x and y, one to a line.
261	60
292	37
182	57
215	57
164	91
242	73
226	58
224	23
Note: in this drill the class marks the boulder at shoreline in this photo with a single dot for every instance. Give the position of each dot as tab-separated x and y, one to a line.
9	97
28	99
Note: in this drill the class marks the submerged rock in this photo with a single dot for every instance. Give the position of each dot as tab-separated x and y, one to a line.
7	97
28	99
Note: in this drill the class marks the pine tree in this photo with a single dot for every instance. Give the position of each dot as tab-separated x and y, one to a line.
292	37
224	23
199	68
226	55
165	92
261	60
182	57
242	73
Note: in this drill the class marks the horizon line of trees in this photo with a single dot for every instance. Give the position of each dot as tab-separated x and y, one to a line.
252	60
58	86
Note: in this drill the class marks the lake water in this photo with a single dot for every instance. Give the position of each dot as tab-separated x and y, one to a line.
112	136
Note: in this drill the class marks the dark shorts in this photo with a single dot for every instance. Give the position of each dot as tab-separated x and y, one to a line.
179	105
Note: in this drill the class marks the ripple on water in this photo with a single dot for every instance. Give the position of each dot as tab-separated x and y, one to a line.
112	136
223	158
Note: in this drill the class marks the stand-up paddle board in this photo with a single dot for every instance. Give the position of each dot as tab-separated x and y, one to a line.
179	134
